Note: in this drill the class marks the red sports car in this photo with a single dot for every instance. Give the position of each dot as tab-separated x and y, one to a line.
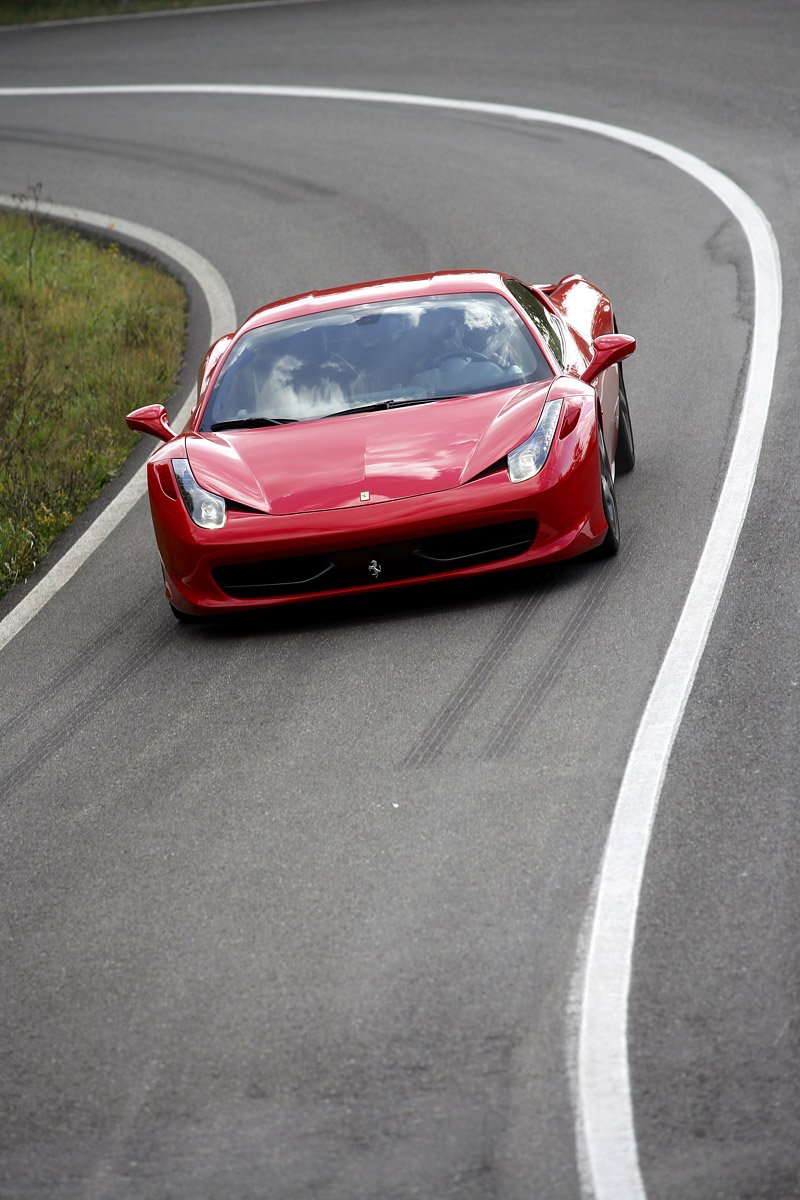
391	433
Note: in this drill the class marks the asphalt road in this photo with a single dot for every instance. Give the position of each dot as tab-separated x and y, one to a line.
293	909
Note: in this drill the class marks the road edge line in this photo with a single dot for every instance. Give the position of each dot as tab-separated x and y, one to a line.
223	318
158	14
604	1122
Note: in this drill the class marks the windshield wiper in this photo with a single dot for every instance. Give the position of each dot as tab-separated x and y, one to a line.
252	423
401	402
261	422
342	412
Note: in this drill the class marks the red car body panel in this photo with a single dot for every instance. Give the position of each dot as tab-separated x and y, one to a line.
297	492
393	454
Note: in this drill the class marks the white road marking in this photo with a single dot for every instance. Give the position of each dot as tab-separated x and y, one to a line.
223	318
164	12
605	1133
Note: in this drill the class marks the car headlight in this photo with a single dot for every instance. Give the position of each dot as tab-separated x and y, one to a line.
529	458
205	509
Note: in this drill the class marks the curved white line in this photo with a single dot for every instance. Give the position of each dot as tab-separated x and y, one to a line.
203	10
605	1127
223	318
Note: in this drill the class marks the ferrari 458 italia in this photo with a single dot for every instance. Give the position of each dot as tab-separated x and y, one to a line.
391	433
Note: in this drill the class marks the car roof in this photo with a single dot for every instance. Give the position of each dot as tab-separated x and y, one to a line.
436	284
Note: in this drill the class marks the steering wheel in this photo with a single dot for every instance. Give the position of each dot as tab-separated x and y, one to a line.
471	355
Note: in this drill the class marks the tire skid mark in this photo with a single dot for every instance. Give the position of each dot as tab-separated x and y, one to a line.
457	708
80	661
79	715
604	1121
277	186
528	702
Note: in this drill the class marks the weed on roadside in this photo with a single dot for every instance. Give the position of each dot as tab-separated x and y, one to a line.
86	334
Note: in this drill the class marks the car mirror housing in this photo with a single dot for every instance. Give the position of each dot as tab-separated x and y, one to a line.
151	419
607	350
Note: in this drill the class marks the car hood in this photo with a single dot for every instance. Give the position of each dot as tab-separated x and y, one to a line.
390	454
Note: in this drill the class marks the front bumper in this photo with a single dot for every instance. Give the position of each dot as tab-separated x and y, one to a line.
377	545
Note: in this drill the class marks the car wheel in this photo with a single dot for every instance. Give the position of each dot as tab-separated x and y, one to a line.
610	544
626	455
184	618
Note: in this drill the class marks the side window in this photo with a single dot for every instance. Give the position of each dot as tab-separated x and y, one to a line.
547	325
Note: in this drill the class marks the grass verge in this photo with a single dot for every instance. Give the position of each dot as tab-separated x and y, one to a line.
86	335
24	12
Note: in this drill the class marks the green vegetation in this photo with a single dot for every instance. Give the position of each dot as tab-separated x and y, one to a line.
19	12
86	335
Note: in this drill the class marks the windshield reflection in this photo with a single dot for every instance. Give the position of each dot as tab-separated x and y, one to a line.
402	351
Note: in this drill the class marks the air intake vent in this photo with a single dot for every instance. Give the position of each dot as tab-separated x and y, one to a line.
371	565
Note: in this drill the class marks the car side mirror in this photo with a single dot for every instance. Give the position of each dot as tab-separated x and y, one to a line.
151	419
607	350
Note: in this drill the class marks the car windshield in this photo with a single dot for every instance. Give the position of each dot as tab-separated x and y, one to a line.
372	356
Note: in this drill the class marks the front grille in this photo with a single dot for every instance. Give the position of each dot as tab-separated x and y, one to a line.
484	545
302	575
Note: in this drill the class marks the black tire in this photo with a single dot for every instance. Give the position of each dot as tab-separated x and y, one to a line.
625	458
610	544
184	618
